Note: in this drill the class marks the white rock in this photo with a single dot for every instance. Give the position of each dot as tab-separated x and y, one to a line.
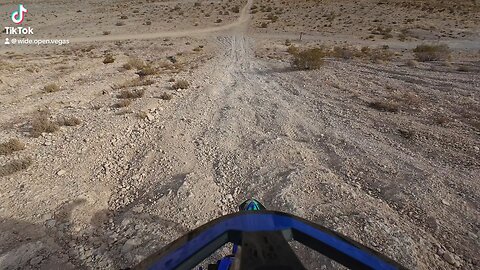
61	172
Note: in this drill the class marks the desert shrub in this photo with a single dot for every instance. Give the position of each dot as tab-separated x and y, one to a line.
412	63
263	25
11	146
218	21
235	9
134	62
148	23
343	52
386	106
134	83
166	96
146	71
51	87
292	49
427	52
106	33
68	121
42	124
122	103
15	166
123	17
120	24
131	94
308	59
381	54
407	133
181	84
108	59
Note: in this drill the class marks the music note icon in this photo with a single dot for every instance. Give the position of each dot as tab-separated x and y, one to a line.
19	15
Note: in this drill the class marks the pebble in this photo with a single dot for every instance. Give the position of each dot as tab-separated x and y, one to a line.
448	257
36	260
150	117
130	244
61	172
445	202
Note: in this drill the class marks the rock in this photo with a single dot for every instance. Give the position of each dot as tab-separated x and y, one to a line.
130	244
150	117
50	223
36	260
229	197
61	172
448	257
472	235
445	202
138	209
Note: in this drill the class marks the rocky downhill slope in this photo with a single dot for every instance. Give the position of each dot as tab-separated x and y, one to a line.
110	191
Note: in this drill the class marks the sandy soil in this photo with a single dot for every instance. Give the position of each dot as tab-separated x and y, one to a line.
126	181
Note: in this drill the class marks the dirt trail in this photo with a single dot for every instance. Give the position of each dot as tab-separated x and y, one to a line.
241	21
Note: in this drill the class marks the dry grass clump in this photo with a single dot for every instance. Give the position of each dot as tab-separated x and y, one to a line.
166	96
181	84
412	63
134	83
135	63
51	87
131	94
122	103
236	9
146	70
13	145
106	33
42	124
108	59
15	166
69	121
308	59
425	52
385	106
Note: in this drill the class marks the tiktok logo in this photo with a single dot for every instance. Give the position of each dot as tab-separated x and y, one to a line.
19	15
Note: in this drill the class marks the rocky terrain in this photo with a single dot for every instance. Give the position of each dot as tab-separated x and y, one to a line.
133	134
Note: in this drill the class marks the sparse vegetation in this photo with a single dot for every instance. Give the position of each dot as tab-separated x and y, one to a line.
131	94
68	121
235	9
412	63
386	106
108	59
11	146
308	59
122	103
181	84
134	62
50	88
134	83
426	52
106	33
146	70
42	124
15	166
166	96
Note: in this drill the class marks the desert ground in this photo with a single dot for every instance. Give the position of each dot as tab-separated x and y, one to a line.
160	116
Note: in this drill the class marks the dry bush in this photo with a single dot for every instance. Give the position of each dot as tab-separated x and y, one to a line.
106	33
120	24
146	71
263	25
235	9
42	124
181	84
344	52
292	49
386	106
464	68
166	96
51	87
131	94
135	63
380	55
68	121
11	146
134	83
15	166
424	53
308	59
108	59
412	63
407	133
122	103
